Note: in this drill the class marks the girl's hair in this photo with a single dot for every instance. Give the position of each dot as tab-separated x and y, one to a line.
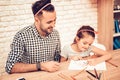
84	29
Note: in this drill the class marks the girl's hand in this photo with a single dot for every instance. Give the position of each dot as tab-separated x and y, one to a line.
93	61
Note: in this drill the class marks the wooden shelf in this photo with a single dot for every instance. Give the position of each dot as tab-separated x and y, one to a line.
105	23
116	11
116	34
106	17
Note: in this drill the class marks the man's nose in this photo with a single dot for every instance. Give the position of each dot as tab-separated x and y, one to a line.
53	24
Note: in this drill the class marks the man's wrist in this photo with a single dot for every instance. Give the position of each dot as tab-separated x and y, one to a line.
38	66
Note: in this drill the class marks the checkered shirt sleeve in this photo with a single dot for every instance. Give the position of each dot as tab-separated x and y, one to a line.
29	47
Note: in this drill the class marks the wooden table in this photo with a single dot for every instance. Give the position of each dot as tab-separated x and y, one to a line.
112	72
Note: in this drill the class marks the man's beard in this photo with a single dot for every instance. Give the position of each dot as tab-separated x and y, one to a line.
48	31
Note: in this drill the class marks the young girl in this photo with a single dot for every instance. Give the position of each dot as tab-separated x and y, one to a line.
82	46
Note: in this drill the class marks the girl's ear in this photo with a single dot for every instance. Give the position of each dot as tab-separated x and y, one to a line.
77	39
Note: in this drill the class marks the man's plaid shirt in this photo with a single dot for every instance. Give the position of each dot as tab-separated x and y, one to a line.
29	47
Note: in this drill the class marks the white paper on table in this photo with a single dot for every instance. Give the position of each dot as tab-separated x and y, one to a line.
82	64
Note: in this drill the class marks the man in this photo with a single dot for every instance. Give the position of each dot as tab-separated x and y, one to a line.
33	48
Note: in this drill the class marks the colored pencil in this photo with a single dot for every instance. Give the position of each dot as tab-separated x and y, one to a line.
91	74
112	64
96	73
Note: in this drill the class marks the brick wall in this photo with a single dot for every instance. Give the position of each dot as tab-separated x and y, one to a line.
16	14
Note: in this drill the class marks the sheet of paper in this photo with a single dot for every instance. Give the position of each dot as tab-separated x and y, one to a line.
82	64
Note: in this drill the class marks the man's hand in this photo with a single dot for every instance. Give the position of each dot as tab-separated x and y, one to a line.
50	66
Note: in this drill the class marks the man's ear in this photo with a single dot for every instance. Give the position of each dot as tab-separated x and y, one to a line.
36	19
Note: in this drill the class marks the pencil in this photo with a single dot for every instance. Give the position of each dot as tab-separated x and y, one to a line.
73	78
91	74
99	76
89	77
96	73
112	64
